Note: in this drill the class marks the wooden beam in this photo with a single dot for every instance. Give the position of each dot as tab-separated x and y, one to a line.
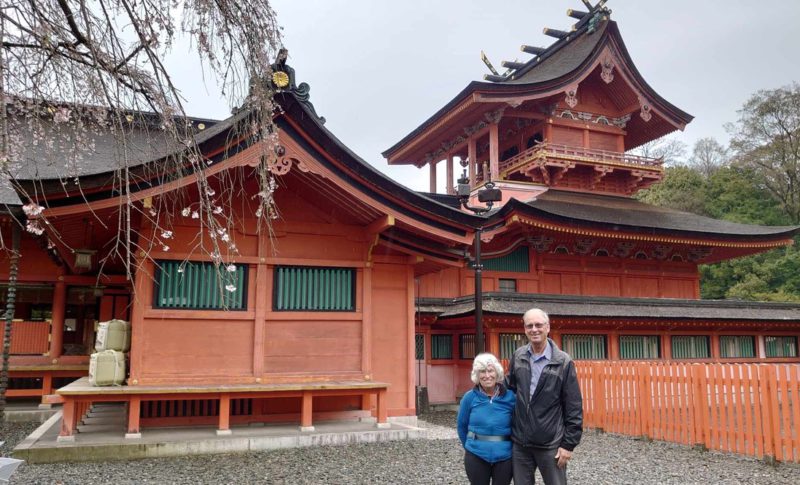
381	224
528	115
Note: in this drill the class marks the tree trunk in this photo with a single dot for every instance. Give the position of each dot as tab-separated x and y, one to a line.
10	300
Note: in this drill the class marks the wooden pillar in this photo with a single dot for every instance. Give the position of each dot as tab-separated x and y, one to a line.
472	155
263	287
366	322
585	138
620	143
306	412
134	410
448	187
666	347
383	413
494	151
433	177
224	426
57	319
47	384
613	345
69	421
715	353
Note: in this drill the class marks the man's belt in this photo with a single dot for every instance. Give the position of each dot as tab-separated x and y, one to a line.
488	437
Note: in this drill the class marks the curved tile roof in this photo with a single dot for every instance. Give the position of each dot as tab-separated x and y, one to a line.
628	212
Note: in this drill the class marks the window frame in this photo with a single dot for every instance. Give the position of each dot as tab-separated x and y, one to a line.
441	337
708	347
594	335
159	269
353	289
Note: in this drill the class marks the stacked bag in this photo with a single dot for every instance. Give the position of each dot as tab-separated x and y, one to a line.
107	364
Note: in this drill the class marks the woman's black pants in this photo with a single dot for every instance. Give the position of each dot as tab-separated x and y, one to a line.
481	472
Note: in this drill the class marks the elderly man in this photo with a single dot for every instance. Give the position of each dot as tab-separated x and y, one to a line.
548	417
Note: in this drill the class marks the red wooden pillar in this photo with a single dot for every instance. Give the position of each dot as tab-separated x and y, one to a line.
448	186
57	319
69	421
433	177
472	155
134	410
383	413
224	427
47	385
306	411
494	152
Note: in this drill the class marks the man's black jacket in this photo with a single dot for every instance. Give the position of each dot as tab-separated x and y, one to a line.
553	417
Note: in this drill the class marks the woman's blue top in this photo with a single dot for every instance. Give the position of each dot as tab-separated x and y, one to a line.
484	415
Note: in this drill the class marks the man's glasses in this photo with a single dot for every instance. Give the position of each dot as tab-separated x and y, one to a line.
538	326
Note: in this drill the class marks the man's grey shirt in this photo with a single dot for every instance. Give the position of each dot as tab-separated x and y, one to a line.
538	363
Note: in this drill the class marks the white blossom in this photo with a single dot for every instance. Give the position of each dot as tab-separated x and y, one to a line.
217	210
195	215
166	235
33	227
165	248
231	268
32	210
230	288
185	212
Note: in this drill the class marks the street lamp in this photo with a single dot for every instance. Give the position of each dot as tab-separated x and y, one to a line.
488	195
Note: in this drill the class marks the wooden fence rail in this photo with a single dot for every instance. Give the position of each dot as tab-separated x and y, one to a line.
28	338
751	409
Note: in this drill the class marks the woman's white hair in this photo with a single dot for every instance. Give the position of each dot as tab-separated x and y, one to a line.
483	362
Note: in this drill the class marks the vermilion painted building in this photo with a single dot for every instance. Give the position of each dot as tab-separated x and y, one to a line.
363	290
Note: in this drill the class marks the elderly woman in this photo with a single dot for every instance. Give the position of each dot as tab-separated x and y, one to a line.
484	424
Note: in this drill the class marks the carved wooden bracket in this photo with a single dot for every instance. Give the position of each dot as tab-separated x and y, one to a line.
571	96
607	70
599	173
645	111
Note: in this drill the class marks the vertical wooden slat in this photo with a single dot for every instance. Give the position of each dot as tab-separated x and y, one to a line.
785	410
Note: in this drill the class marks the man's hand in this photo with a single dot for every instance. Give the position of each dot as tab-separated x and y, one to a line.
563	456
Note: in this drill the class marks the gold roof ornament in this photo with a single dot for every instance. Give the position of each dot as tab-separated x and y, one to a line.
280	78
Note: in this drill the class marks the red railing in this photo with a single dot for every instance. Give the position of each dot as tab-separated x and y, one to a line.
750	409
567	152
28	338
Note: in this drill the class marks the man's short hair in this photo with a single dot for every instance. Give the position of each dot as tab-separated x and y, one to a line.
537	311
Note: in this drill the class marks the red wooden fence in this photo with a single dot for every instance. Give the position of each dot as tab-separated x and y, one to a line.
751	409
28	338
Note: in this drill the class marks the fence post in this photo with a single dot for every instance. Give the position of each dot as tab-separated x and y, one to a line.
767	418
599	395
702	438
645	398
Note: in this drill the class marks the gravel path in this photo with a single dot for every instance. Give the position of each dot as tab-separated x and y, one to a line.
601	459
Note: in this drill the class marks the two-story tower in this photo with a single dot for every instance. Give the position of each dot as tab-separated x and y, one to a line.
619	277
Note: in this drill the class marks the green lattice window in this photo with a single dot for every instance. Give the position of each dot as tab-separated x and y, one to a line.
783	346
585	347
200	286
466	346
639	347
733	346
419	346
509	342
441	347
691	347
516	261
301	288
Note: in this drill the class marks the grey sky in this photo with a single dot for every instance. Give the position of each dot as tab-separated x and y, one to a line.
378	69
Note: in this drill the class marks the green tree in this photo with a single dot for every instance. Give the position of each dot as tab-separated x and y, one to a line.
683	188
766	139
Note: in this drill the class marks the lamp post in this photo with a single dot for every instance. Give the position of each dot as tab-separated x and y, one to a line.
488	195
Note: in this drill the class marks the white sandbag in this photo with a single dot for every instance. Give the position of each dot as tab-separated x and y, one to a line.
113	335
107	368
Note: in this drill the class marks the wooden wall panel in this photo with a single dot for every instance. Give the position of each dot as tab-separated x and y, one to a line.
598	285
640	287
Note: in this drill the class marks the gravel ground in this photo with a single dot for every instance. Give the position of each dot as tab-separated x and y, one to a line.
601	459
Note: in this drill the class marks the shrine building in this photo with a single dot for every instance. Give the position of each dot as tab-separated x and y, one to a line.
363	289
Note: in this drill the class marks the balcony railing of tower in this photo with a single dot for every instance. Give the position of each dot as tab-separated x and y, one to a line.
578	154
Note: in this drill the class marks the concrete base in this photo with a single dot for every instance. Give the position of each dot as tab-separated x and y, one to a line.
383	425
65	439
45	406
306	429
44	445
29	412
224	432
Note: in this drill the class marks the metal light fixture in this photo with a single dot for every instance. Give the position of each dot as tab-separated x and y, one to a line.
488	195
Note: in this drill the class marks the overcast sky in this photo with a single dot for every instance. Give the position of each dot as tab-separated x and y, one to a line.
379	68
